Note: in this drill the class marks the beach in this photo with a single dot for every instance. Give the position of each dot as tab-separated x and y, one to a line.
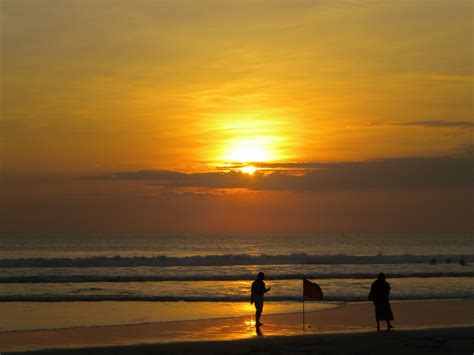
438	341
444	326
155	295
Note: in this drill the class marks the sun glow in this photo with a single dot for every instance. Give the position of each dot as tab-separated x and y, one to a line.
248	151
248	169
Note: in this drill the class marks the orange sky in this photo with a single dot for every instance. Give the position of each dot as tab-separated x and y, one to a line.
92	88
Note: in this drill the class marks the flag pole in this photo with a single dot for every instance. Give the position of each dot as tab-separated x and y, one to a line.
303	303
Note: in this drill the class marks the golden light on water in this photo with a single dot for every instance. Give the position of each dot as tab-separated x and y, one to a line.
250	323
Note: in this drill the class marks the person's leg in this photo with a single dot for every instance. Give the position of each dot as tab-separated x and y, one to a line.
389	326
377	317
258	313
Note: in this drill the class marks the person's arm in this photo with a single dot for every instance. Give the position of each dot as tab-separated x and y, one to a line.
371	293
265	290
251	295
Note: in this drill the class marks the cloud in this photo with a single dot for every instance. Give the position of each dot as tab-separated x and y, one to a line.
381	174
422	124
436	124
465	150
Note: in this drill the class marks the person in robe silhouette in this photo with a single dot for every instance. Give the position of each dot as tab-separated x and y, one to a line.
379	294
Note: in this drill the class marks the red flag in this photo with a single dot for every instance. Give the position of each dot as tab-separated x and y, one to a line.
312	290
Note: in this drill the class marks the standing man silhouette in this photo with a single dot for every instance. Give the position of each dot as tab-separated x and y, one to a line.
256	296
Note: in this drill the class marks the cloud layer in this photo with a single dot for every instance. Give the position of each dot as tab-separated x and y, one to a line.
436	124
387	173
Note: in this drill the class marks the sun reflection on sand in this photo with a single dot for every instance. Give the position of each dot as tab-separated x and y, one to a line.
250	327
249	323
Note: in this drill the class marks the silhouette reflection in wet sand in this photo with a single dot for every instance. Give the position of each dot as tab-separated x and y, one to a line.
256	297
379	294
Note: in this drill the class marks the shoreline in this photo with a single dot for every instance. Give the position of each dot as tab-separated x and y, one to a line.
349	318
327	305
331	305
24	316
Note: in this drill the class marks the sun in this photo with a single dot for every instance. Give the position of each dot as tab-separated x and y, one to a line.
247	151
249	169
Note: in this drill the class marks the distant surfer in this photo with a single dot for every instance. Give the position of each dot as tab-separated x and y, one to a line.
256	296
462	262
379	294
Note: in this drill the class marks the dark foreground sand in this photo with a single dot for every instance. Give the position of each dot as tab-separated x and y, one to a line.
422	327
427	341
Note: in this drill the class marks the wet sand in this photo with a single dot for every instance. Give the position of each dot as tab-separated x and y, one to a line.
421	327
427	341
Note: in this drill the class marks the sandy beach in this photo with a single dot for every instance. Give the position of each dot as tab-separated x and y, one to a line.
437	341
444	326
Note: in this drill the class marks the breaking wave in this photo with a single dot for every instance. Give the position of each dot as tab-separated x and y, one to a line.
115	297
227	260
157	278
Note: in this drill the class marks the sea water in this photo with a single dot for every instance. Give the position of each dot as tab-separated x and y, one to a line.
203	276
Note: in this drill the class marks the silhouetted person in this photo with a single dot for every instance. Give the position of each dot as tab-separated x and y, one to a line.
462	262
448	261
433	261
256	296
379	294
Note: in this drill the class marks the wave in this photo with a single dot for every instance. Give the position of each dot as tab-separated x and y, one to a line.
227	260
111	297
238	277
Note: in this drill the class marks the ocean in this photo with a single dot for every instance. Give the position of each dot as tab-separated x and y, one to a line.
207	276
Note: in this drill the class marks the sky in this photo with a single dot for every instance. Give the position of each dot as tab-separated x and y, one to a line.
250	116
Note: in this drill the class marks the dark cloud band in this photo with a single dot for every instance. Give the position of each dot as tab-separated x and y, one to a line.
386	173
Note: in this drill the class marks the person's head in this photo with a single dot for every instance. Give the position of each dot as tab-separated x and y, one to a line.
260	275
381	277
